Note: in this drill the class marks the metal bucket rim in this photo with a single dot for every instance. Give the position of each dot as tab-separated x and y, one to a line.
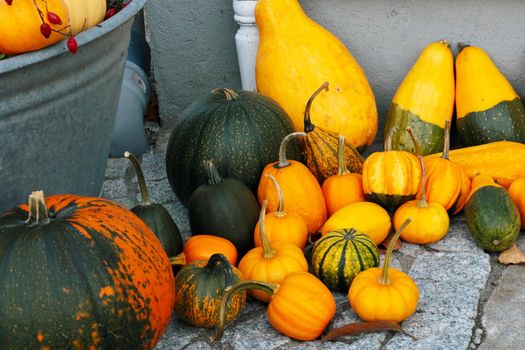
29	58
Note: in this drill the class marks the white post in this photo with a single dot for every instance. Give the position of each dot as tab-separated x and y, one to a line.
247	40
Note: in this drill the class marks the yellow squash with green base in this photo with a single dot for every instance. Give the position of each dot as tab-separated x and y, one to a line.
424	101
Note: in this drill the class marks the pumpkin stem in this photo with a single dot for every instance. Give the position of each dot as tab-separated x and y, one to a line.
385	278
308	126
283	162
212	174
446	143
219	261
38	213
269	288
461	46
416	142
422	203
388	139
144	194
178	260
445	42
228	93
280	197
341	159
268	251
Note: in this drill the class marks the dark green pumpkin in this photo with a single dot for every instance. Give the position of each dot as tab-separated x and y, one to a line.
224	208
240	131
492	218
340	255
156	217
200	287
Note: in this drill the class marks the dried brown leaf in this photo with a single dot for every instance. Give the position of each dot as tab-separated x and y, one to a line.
513	255
365	327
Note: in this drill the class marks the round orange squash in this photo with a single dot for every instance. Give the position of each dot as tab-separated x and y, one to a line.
202	247
517	193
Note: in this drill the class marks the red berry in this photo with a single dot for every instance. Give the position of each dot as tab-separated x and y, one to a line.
53	18
9	2
110	13
45	29
72	44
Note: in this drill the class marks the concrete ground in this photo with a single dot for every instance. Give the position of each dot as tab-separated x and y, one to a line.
467	299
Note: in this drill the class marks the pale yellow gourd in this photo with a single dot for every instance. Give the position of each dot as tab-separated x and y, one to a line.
85	14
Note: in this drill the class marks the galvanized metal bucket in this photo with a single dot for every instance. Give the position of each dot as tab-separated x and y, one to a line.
57	112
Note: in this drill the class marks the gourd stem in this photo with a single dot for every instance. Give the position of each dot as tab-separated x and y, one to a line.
422	203
212	174
461	46
38	212
341	159
280	197
446	143
416	142
268	251
178	260
385	278
283	162
308	126
144	194
388	138
445	42
219	261
269	288
228	93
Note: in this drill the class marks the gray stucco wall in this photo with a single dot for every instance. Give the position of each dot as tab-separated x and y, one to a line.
194	47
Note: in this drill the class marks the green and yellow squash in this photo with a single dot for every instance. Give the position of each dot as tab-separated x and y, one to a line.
492	217
340	255
488	108
424	101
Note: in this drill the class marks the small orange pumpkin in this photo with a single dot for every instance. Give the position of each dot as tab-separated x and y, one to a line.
431	220
202	247
517	193
343	188
271	262
384	294
301	306
282	226
300	188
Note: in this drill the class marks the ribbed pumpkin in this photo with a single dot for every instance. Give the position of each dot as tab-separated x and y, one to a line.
295	56
20	25
344	187
366	217
300	188
282	226
271	262
224	208
517	193
301	306
321	147
488	108
446	182
74	268
239	130
200	288
85	14
503	160
424	101
391	178
155	215
340	255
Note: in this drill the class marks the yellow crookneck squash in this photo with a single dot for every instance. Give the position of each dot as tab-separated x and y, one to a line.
85	14
321	147
296	55
424	101
488	108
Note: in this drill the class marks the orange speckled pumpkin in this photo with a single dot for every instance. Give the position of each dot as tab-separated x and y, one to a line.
81	266
202	247
271	262
301	306
20	25
384	294
300	188
517	193
343	188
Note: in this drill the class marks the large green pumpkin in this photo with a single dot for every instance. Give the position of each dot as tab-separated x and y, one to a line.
492	218
240	131
340	255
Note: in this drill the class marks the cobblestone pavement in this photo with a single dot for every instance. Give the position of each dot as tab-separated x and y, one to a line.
467	300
